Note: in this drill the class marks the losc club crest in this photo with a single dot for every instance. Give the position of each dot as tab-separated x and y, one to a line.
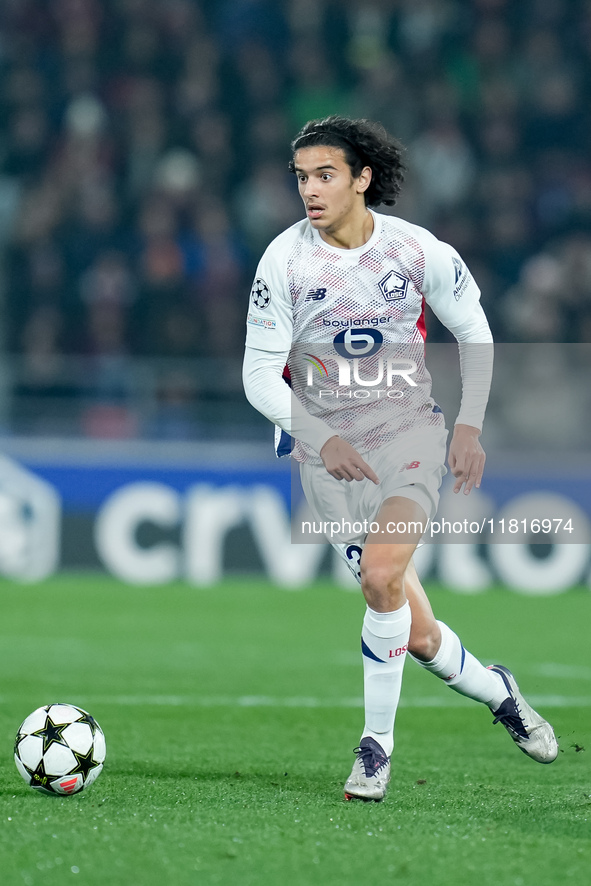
260	295
394	286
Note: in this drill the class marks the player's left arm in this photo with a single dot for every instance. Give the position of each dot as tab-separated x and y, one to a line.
455	299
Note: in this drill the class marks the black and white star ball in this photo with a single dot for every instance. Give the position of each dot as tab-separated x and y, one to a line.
260	295
59	749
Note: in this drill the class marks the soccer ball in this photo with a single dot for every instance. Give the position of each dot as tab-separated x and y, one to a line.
59	749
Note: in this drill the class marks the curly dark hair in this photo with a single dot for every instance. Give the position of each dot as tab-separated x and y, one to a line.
363	143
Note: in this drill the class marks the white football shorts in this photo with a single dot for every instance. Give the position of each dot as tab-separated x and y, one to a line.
411	466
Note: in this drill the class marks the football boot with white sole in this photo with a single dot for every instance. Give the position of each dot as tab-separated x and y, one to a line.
370	774
531	733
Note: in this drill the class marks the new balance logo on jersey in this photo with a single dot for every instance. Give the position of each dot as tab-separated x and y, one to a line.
316	295
394	286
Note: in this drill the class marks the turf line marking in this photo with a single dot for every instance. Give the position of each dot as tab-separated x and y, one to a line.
269	701
562	671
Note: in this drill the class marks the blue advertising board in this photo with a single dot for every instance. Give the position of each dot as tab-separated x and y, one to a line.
156	517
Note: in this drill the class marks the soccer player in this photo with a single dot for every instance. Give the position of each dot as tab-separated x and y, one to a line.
344	290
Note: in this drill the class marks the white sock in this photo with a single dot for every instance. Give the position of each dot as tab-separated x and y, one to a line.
384	643
464	673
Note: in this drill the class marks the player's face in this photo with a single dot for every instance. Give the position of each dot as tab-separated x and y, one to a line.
331	195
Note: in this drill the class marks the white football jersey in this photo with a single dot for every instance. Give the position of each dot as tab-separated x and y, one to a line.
353	321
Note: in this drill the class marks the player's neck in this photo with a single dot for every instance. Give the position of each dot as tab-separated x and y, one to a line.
354	232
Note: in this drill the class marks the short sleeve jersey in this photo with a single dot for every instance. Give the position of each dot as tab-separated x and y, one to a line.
353	323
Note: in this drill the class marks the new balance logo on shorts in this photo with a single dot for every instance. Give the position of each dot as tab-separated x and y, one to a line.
410	466
316	294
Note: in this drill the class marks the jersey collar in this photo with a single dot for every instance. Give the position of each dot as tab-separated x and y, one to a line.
352	254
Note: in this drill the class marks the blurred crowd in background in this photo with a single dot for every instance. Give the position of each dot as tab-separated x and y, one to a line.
144	148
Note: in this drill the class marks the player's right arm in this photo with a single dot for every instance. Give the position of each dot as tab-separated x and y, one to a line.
268	343
266	390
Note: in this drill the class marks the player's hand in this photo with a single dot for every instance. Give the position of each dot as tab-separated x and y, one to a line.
466	458
343	462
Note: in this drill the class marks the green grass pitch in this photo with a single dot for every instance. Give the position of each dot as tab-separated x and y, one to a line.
230	714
